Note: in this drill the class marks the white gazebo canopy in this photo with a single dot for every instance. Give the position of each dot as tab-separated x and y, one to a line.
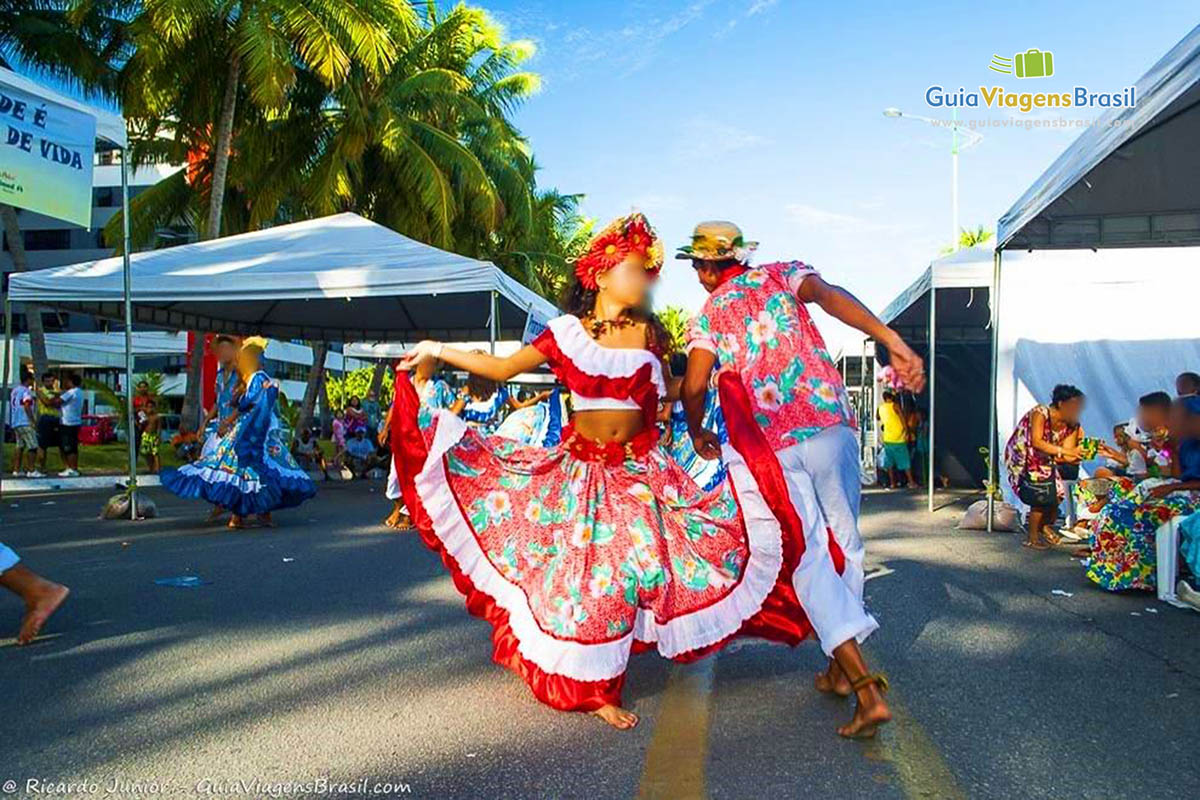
336	278
1130	178
969	268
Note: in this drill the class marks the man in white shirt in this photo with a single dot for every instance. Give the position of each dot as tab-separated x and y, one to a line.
23	418
71	405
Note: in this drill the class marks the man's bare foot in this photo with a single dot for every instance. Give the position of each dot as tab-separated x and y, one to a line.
616	716
39	605
833	681
871	712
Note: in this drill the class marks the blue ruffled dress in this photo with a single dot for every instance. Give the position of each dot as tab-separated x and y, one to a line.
251	470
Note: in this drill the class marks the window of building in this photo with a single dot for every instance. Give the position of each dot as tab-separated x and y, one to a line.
57	239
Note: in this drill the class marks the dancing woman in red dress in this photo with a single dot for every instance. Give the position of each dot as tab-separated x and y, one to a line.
582	553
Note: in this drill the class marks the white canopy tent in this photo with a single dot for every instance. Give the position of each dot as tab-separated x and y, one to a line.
947	306
110	133
1129	181
336	278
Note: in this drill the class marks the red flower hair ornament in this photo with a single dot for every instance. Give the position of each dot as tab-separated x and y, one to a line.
621	238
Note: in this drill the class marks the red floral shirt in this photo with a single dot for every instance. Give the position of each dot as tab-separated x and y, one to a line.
758	328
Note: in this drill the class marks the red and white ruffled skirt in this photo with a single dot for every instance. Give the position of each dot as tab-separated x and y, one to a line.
580	554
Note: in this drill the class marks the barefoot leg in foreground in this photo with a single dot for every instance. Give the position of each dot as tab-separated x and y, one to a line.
872	710
42	597
616	716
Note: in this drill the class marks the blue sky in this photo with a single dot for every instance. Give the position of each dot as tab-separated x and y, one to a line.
769	113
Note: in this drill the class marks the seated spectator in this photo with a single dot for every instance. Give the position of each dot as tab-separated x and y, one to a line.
1048	435
361	456
186	443
1123	546
1136	453
1187	383
307	451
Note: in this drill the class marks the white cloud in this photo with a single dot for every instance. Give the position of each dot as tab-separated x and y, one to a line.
759	6
835	221
705	139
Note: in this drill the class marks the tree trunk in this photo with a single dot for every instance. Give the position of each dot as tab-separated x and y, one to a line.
316	381
326	412
33	314
377	377
212	230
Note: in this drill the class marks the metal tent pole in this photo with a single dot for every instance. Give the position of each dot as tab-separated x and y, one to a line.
4	383
991	444
492	323
932	381
130	429
862	401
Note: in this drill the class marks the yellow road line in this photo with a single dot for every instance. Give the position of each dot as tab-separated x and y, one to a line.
678	749
922	771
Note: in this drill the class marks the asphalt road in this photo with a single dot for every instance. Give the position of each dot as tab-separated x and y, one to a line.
330	649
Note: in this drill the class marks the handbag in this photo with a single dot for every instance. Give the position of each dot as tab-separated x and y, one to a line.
1037	494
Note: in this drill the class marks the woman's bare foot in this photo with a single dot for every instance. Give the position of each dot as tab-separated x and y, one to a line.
236	523
871	712
40	603
616	716
833	681
215	515
265	521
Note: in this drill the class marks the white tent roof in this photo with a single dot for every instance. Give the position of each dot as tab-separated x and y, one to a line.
337	278
967	269
1130	179
110	126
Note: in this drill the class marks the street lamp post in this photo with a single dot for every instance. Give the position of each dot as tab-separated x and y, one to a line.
972	138
957	129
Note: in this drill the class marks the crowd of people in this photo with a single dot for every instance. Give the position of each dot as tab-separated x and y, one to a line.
1147	476
43	417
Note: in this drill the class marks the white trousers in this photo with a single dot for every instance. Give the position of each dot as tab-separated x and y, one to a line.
8	559
822	476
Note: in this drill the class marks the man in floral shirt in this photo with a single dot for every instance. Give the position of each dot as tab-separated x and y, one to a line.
754	325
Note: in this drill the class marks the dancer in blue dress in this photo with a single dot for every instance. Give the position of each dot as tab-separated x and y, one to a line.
251	472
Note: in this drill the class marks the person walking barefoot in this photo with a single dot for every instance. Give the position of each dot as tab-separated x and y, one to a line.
42	597
582	553
754	324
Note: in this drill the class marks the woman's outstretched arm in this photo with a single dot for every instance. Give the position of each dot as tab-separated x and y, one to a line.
482	364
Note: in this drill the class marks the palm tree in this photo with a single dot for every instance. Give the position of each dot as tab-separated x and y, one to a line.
970	238
258	48
677	320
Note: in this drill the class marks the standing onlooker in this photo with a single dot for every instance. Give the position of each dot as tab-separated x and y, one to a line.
1187	383
339	436
141	400
151	436
23	419
1045	437
48	421
895	440
71	406
371	408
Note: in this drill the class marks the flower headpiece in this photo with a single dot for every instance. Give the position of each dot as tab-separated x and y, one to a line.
717	240
621	238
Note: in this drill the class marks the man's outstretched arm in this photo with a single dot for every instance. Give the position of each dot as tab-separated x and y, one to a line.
840	304
691	393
